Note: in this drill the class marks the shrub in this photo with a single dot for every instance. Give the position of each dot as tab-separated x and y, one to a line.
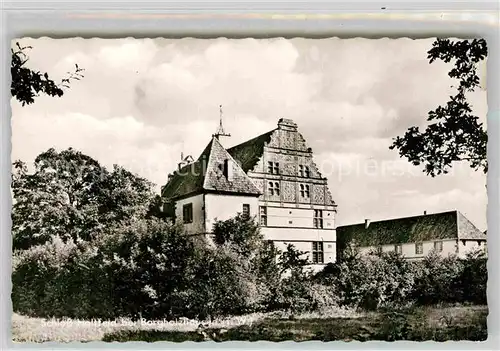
388	280
473	278
435	277
60	279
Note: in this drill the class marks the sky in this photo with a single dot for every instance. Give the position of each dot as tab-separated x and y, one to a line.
144	101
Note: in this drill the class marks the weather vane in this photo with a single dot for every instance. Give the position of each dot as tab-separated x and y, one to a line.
220	130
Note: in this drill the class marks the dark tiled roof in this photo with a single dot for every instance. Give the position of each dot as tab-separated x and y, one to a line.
206	173
215	178
445	225
249	152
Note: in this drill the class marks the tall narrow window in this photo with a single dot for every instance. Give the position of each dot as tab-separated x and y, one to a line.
379	250
438	246
263	215
419	248
246	211
307	173
317	252
398	249
304	190
318	219
270	167
187	213
301	170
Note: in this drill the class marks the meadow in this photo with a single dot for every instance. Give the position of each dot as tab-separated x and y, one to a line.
438	323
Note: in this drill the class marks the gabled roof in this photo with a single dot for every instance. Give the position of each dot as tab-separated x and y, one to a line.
207	174
428	227
249	152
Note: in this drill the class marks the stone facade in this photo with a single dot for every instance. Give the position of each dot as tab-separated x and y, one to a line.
296	206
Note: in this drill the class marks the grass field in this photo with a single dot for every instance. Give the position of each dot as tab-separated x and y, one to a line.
419	324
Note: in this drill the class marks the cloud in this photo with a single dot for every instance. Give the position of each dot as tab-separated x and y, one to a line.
143	102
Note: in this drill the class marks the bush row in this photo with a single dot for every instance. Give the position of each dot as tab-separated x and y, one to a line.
152	269
388	279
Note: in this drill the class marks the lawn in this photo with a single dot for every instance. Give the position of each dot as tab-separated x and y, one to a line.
419	324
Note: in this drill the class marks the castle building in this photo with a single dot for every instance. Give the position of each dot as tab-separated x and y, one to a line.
272	177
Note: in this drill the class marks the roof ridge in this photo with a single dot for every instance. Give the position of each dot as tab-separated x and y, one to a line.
252	139
210	153
399	218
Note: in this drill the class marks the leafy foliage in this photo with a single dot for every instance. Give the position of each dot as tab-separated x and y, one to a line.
386	279
241	232
28	84
71	195
454	133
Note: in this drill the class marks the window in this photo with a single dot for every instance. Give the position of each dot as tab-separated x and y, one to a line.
379	250
318	219
273	167
270	167
274	188
276	168
263	215
398	249
317	252
304	191
187	213
304	171
419	248
246	211
438	246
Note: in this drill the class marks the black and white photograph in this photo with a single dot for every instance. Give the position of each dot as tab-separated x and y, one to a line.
278	189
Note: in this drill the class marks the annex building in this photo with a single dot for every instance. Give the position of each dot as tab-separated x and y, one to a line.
447	233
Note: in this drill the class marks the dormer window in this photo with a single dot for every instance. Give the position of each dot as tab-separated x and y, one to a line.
228	169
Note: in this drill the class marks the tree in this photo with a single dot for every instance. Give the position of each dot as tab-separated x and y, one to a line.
454	133
71	195
28	84
241	232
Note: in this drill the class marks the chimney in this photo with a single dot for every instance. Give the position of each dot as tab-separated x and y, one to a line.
367	223
228	169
